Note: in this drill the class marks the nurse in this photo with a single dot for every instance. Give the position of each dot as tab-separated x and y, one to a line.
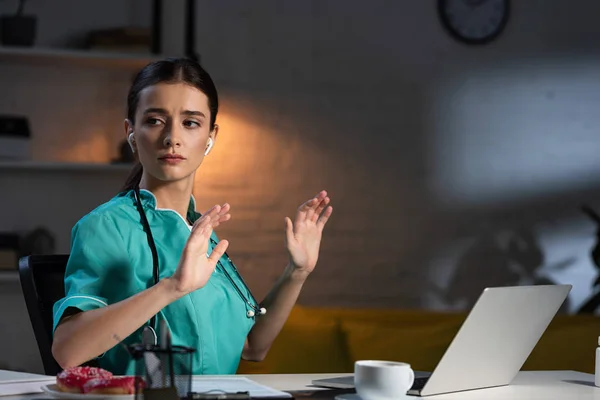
147	255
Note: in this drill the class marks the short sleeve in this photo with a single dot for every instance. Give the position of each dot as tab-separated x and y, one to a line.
97	258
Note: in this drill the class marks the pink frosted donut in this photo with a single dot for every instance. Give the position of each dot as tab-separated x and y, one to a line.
114	385
73	379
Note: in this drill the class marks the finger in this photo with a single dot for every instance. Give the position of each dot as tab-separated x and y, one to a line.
225	218
212	214
305	210
324	217
197	245
310	211
320	207
301	212
313	204
201	223
199	237
224	209
224	213
219	220
218	251
213	211
321	195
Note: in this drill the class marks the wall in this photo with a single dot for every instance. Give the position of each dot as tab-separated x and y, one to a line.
427	147
76	114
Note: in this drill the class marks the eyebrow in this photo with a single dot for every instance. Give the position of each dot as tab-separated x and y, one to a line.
163	111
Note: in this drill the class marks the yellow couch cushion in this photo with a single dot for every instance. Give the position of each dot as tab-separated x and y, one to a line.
310	342
419	339
330	340
569	343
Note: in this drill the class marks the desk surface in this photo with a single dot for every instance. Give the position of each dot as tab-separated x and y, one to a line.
548	385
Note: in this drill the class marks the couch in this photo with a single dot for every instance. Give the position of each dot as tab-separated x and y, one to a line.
316	340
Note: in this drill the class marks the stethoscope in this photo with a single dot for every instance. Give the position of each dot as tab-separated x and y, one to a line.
149	333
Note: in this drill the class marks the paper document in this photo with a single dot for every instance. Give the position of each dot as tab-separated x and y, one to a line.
15	388
15	376
231	384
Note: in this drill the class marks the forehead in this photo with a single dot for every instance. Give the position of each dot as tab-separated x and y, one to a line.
173	97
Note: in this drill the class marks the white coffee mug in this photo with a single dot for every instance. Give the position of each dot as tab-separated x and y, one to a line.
382	380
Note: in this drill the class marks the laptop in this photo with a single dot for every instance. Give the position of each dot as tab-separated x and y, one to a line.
492	344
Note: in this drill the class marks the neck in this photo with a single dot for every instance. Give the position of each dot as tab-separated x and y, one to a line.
171	195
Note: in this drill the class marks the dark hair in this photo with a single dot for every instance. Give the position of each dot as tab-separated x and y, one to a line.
170	70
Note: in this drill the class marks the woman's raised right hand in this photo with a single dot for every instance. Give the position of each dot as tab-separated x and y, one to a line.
195	267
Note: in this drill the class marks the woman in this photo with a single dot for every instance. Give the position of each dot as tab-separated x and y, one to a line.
147	256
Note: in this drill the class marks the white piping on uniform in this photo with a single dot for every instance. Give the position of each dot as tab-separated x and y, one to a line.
80	297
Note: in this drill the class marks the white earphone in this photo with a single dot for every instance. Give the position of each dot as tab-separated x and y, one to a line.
208	146
131	140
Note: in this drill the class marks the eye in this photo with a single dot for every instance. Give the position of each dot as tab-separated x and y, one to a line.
153	121
191	124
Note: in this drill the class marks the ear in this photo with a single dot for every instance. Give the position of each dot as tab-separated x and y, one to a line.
128	125
129	132
213	134
212	138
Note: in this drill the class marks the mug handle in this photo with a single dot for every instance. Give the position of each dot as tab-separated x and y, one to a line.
412	377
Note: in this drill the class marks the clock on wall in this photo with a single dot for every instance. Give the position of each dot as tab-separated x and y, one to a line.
474	21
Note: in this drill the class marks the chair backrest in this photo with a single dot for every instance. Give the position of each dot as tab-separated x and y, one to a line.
42	281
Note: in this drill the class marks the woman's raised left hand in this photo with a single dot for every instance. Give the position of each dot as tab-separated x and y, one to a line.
303	236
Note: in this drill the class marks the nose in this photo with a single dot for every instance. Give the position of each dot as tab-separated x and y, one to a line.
172	139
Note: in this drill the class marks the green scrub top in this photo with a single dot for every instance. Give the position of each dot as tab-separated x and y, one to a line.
110	261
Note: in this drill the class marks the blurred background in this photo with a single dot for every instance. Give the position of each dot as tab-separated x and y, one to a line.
451	166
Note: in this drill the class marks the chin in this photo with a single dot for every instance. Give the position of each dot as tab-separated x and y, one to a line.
171	173
174	176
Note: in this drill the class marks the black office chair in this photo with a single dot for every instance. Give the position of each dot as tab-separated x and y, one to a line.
42	281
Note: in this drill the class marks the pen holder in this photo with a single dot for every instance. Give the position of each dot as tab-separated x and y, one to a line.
167	372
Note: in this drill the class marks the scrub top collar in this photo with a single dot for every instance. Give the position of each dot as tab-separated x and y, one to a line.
149	202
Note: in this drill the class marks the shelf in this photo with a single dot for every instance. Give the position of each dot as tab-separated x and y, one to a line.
9	276
57	56
63	166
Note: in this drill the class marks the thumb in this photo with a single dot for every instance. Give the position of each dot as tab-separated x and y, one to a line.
289	229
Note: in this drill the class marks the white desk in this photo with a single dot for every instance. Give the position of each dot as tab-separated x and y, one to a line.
547	385
528	385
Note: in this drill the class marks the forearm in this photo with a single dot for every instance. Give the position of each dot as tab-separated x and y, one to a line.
88	334
279	303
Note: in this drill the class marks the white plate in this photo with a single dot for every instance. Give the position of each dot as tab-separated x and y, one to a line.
53	391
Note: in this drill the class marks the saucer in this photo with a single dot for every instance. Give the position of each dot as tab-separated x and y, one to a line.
354	396
53	391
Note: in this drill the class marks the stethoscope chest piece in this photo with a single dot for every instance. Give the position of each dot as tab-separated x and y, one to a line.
149	337
251	313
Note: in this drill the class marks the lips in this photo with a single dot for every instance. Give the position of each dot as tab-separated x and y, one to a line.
172	157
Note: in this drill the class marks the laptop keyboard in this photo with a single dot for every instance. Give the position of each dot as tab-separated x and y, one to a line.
419	383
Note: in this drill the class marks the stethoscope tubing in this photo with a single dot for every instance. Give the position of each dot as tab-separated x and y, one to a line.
255	308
